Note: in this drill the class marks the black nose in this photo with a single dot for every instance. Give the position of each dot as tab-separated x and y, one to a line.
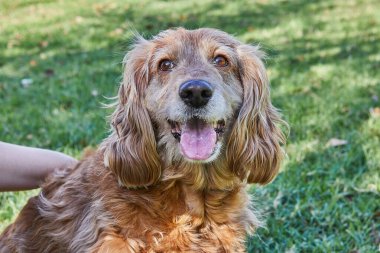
195	93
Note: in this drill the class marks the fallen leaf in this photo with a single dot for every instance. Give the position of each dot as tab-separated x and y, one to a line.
292	249
375	112
78	19
345	109
18	36
43	56
55	112
334	142
44	43
94	93
277	199
300	58
183	17
26	82
116	32
33	63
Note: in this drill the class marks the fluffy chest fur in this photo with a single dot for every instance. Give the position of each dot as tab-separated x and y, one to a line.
73	215
177	221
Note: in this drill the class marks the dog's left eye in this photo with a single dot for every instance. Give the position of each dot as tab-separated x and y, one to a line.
166	65
220	61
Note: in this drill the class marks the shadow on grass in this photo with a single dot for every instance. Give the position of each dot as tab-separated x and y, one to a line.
316	199
63	107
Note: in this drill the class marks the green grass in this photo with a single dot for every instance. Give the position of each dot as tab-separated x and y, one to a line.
324	65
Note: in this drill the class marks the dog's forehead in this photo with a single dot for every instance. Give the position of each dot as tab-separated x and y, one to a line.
180	40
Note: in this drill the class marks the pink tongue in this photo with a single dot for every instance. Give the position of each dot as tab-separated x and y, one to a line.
197	141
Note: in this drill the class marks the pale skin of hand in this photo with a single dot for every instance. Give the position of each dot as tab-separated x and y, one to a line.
25	168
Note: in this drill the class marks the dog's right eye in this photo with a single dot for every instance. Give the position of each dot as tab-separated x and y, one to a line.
220	61
166	65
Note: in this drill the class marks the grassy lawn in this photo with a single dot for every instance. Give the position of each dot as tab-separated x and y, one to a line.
324	65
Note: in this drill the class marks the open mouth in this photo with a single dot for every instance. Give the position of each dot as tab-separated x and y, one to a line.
197	137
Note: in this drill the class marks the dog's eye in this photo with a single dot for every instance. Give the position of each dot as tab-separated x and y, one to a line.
166	65
220	61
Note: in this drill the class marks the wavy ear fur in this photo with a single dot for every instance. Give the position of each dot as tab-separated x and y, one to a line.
130	151
254	150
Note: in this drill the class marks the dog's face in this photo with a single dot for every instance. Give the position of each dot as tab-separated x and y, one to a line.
195	96
194	92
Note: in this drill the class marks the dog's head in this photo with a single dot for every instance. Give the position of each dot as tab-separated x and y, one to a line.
193	97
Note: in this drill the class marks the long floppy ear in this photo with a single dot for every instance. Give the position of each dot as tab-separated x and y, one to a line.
130	151
254	151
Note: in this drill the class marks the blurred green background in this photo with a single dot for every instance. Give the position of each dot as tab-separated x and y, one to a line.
60	61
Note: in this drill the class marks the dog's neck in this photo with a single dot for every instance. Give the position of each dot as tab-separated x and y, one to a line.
216	205
211	192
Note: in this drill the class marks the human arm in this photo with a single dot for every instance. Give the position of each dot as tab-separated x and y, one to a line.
24	168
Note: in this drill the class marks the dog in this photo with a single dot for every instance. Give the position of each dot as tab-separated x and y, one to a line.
193	126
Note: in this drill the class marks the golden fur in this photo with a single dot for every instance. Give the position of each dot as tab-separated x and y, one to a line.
137	193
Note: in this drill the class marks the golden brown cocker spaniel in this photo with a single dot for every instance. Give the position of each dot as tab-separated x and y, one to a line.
193	126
